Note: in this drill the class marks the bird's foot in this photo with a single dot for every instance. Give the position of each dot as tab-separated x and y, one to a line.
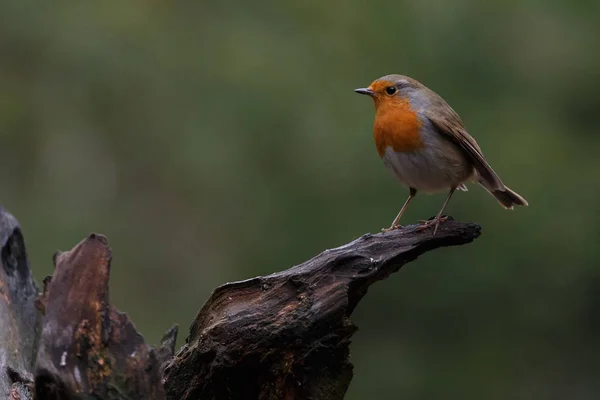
435	222
392	228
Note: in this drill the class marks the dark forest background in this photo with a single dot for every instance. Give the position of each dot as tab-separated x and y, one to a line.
214	141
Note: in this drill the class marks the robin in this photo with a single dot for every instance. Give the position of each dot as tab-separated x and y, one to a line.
423	141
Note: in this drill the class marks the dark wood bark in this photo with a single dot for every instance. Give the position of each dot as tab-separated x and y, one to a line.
87	348
287	335
82	348
18	316
281	336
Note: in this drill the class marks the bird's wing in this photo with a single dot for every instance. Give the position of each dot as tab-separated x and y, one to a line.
447	122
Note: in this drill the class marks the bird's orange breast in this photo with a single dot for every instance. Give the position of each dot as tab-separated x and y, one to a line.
396	126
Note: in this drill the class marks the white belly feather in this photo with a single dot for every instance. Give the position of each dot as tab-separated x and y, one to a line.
429	170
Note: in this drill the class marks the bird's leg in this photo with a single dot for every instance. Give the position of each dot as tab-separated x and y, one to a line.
438	218
396	223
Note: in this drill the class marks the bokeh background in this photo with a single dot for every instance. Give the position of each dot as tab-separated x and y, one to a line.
215	141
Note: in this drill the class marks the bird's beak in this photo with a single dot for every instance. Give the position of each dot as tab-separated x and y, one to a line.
366	91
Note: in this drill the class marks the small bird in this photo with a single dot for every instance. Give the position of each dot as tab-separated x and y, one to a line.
423	141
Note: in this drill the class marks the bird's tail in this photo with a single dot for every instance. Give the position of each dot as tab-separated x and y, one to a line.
505	196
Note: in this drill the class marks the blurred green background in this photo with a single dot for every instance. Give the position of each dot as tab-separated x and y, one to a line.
215	141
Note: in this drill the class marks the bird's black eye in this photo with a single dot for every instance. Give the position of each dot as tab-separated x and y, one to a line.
390	90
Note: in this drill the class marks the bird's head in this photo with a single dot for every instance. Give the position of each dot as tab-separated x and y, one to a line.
391	89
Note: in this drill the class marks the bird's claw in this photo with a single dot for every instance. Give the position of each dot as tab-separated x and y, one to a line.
436	221
392	228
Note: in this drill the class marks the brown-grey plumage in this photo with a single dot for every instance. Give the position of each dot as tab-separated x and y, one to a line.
447	122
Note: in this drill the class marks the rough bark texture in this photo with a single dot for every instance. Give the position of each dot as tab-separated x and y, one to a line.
87	348
18	316
281	336
82	348
287	335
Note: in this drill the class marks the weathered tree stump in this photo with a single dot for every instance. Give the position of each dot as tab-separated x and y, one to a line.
281	336
287	335
87	347
82	347
18	316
